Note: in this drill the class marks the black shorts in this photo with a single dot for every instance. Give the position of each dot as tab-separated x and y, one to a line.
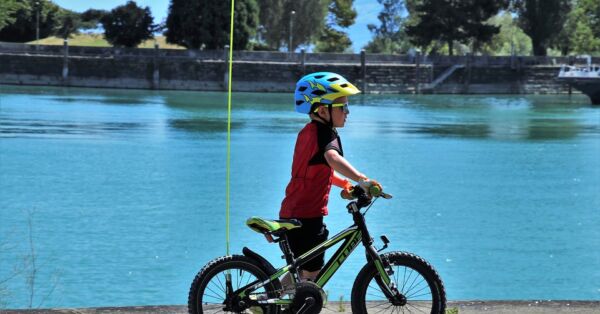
312	233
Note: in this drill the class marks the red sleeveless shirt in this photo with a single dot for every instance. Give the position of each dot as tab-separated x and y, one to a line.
307	194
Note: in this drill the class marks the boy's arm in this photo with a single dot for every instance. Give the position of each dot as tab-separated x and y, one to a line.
341	165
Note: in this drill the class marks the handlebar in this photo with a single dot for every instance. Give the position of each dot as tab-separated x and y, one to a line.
363	199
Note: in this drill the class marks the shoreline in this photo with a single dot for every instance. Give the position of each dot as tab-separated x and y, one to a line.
466	307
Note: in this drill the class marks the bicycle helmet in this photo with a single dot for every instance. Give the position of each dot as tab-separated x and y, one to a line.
321	88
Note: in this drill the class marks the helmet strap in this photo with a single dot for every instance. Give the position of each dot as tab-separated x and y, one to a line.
330	121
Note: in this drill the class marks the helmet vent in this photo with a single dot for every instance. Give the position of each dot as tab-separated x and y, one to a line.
333	79
302	88
319	92
344	85
319	76
299	102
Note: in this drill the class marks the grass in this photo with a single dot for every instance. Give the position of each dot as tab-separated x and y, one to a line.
97	40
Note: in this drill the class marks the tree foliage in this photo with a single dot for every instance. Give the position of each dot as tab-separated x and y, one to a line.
542	20
128	25
276	18
511	40
8	10
389	36
90	19
68	23
205	24
20	24
581	32
342	14
454	21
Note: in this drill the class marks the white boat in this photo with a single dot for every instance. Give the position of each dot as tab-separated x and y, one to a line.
584	78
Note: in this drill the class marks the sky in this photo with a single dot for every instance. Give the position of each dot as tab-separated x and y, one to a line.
359	34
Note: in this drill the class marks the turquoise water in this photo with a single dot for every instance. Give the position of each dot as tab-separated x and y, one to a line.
126	190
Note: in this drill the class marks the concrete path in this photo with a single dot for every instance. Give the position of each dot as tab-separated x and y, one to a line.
454	307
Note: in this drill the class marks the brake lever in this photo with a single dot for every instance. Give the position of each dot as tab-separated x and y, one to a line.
385	195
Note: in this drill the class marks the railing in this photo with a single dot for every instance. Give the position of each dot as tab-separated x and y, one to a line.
575	72
297	57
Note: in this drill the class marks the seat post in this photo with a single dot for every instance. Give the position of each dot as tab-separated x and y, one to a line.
287	251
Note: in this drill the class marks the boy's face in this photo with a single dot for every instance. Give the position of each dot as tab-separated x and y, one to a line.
339	112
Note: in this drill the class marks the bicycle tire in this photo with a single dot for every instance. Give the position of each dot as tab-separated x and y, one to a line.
410	286
201	287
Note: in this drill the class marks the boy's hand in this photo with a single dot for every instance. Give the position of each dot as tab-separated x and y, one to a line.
347	193
372	187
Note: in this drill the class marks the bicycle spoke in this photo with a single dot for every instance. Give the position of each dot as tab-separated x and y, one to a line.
404	280
211	290
384	309
217	286
428	293
248	281
416	308
412	283
220	283
378	304
414	286
376	288
239	278
414	296
214	297
376	295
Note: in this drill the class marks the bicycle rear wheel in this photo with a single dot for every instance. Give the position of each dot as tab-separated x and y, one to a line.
414	278
211	290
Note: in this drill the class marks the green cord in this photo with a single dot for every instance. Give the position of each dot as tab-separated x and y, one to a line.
229	125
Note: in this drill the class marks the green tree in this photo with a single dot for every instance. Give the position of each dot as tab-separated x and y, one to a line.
510	40
128	25
542	21
581	32
270	15
69	23
342	14
8	10
389	36
90	19
454	21
306	24
22	26
204	24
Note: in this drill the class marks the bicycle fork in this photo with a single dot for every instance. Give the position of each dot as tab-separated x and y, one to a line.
385	271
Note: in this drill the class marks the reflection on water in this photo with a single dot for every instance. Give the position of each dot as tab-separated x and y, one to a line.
204	125
26	127
457	130
535	118
534	129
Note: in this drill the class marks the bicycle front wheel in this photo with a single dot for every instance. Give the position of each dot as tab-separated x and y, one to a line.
414	278
212	289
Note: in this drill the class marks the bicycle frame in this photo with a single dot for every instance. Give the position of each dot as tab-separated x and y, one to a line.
352	237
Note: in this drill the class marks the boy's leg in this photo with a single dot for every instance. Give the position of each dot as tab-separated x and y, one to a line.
309	275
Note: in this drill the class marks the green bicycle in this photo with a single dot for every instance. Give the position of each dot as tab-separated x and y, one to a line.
392	282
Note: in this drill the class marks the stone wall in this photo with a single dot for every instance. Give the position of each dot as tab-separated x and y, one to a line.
272	71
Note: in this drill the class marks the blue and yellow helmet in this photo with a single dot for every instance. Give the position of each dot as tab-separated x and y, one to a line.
321	88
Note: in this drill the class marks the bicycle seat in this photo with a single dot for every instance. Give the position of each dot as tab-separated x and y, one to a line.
261	225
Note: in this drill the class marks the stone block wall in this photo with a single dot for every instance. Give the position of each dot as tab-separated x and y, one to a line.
269	71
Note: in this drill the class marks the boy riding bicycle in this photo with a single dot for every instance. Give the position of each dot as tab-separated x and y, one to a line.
318	155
